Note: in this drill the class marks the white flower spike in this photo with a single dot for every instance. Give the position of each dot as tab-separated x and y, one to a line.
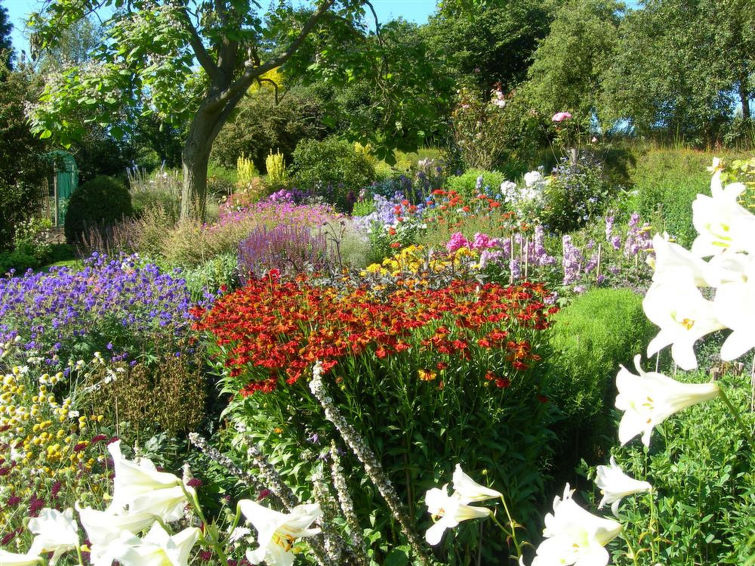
574	535
650	398
277	532
614	484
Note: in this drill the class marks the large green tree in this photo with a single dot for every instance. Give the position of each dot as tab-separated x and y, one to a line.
681	67
21	169
568	66
484	43
189	61
6	46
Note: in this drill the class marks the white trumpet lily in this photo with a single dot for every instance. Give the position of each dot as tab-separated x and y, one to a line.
140	488
55	532
574	535
277	532
650	398
614	484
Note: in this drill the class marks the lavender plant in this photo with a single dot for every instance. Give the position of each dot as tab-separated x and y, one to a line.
290	249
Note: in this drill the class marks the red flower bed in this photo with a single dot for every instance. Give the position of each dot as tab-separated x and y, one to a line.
273	330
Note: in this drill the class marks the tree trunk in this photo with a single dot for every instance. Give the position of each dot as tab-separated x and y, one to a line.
744	96
195	158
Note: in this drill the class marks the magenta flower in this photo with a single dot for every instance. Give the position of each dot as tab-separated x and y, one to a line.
561	116
457	241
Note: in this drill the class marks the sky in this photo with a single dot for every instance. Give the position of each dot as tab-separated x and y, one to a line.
416	11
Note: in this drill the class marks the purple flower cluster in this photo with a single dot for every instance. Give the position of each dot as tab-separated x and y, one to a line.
291	249
275	212
638	239
115	306
572	261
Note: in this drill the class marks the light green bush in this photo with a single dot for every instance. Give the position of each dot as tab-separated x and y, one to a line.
591	337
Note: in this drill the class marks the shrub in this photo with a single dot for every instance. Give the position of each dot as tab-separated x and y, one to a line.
100	202
577	193
466	183
333	170
591	337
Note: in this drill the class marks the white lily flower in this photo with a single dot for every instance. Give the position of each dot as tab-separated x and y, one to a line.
574	535
614	484
468	490
103	528
650	398
722	224
672	257
139	487
157	548
734	306
277	532
55	532
675	304
450	510
13	559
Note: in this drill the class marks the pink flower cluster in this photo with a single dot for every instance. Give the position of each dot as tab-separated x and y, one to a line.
480	242
561	116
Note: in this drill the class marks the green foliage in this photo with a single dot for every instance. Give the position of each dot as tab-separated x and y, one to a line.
577	193
666	182
568	65
21	168
668	75
6	46
331	169
465	184
487	44
210	276
702	468
591	337
100	202
261	124
383	90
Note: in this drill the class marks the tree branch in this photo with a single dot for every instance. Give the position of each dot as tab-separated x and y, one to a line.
204	58
251	73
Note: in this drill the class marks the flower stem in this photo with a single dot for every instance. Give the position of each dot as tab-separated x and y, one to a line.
735	414
208	535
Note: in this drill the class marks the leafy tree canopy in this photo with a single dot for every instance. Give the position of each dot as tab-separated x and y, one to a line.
682	65
6	46
483	43
188	61
569	63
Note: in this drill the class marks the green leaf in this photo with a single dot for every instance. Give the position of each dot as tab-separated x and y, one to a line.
396	557
45	134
